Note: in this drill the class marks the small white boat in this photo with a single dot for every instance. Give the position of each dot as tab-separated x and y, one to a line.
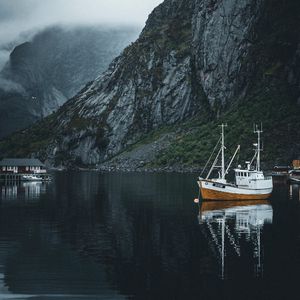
250	183
31	178
295	180
294	176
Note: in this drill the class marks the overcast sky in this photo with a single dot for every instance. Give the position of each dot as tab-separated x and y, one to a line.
17	16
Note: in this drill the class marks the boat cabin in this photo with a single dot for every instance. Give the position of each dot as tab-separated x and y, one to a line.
22	166
249	178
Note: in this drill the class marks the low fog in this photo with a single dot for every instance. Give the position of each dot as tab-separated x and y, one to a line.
18	16
10	86
20	19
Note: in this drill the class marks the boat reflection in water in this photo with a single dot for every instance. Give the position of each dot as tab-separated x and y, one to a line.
234	231
26	191
294	191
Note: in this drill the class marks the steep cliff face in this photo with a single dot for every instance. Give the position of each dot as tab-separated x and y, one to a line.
150	84
200	57
222	35
43	73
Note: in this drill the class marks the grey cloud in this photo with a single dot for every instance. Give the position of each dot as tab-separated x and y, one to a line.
22	15
12	9
10	86
19	19
4	55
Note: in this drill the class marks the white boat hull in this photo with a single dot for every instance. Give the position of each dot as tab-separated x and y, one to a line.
211	190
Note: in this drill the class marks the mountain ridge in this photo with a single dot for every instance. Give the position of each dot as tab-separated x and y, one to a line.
201	60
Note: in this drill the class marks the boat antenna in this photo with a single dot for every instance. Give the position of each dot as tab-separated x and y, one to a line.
258	131
223	151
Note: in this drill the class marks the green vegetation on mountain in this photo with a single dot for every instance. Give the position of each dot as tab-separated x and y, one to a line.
196	139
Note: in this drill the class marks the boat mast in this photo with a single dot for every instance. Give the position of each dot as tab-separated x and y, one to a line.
223	151
223	245
258	131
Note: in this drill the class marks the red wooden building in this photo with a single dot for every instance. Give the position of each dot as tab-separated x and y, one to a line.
22	166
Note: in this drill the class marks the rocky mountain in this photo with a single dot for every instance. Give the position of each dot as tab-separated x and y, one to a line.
57	63
195	64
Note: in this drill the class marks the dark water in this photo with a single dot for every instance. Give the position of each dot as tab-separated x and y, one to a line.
140	236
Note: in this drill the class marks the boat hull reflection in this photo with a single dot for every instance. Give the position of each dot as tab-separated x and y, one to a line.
234	229
208	206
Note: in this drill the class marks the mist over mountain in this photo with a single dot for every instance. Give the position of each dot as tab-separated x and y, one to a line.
42	73
195	64
19	17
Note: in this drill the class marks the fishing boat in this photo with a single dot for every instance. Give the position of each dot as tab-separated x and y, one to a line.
250	183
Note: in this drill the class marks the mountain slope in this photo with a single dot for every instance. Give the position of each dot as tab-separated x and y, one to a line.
43	73
204	60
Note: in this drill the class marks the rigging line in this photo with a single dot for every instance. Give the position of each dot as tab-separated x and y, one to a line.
214	164
210	157
255	154
238	158
232	158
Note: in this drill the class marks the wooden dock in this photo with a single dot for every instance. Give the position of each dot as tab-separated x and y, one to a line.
11	177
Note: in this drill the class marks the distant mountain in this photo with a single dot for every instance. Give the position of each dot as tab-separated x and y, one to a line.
43	73
196	63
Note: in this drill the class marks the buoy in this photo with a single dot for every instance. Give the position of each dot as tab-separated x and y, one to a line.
196	200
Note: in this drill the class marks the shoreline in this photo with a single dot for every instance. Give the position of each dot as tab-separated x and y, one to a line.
114	169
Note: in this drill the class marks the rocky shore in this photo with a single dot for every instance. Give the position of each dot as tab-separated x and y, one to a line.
168	169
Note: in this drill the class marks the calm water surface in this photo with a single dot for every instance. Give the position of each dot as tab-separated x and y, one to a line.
87	235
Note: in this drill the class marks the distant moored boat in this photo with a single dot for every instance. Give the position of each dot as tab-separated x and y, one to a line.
31	178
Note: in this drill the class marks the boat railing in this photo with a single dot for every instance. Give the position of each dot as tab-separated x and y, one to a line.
264	178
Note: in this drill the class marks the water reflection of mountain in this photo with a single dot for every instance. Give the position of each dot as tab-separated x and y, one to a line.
137	236
35	258
130	225
234	229
94	234
26	191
